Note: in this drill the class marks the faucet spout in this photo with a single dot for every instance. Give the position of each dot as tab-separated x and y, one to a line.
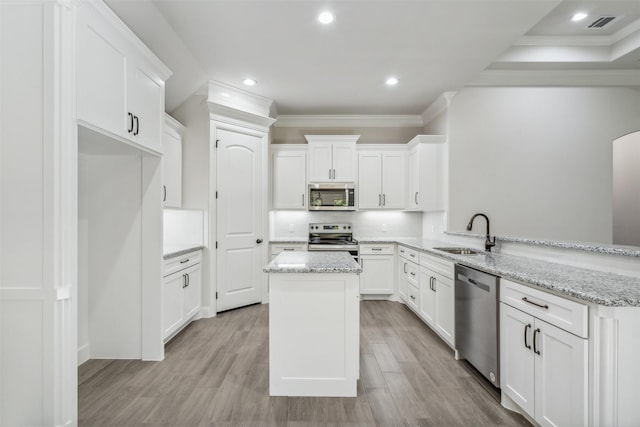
489	242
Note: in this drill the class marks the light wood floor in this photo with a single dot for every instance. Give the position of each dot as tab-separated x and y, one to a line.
215	373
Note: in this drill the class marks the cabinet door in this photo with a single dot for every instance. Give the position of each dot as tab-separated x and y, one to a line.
431	177
145	100
393	180
369	179
444	307
172	170
344	162
427	306
517	357
172	304
402	278
560	377
413	180
289	179
377	275
320	162
192	289
101	75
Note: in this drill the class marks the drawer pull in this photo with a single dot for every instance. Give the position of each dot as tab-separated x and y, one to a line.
545	306
412	255
184	261
413	297
288	249
376	249
412	273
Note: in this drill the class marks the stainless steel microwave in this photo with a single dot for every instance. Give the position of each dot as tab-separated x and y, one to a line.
332	196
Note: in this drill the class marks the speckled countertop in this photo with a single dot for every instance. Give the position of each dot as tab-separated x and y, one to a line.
592	286
174	251
313	262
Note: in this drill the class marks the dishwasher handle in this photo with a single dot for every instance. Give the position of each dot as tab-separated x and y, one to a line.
463	278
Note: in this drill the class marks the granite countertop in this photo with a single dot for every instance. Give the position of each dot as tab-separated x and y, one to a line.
607	289
313	262
174	251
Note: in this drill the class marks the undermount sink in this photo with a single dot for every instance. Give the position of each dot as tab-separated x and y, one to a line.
458	251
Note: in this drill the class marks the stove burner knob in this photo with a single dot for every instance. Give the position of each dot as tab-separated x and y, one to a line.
349	227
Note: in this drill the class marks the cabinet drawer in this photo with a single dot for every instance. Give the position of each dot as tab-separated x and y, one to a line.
561	312
376	249
276	248
437	265
412	297
181	262
412	274
407	253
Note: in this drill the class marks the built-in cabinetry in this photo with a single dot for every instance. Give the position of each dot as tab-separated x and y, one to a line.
436	295
332	158
172	163
426	173
182	286
381	179
277	248
289	166
544	354
120	82
378	268
407	273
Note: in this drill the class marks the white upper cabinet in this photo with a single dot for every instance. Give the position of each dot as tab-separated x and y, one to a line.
289	178
120	82
381	179
332	158
426	173
172	163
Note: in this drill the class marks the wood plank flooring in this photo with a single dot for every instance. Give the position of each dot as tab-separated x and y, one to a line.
216	373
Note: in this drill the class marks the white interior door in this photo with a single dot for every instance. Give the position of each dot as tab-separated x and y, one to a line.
239	222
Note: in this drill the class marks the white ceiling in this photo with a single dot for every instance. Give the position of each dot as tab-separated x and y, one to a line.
431	46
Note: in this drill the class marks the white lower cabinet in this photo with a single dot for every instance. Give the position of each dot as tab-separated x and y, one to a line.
543	367
436	296
378	269
181	292
407	266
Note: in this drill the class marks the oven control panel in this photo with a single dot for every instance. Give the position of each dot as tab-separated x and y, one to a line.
316	228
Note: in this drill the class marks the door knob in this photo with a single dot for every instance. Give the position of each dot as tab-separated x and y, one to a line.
259	241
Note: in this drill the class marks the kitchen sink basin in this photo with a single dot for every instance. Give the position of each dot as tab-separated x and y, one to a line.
459	251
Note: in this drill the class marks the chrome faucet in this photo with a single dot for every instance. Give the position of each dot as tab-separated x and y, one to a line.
488	243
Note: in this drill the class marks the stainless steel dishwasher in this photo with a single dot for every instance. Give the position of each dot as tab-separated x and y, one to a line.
477	333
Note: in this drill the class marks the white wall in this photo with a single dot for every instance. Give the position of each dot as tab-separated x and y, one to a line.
626	190
182	228
537	160
368	135
366	224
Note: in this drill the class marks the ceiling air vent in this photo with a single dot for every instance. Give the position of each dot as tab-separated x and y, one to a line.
602	22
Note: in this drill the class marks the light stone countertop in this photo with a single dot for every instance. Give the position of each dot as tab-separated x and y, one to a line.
597	287
174	251
313	262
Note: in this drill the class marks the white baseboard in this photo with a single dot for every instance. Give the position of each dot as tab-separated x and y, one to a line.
83	354
206	313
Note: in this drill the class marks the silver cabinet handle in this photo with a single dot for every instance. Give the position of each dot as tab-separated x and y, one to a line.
376	249
303	200
164	193
416	198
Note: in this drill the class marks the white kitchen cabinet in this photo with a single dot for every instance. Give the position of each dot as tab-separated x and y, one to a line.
332	158
381	180
120	82
437	296
181	292
172	163
543	368
378	269
289	178
426	184
278	248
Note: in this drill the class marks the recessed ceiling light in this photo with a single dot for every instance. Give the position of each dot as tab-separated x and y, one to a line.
579	16
325	17
249	82
392	81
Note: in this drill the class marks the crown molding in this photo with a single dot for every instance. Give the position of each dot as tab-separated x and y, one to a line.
223	113
349	120
238	99
427	139
620	78
332	138
441	104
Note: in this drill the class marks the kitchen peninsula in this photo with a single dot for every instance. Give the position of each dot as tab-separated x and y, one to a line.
314	309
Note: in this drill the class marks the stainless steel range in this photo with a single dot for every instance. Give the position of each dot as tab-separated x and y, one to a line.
333	237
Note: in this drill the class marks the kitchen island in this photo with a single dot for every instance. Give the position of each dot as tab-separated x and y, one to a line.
314	309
